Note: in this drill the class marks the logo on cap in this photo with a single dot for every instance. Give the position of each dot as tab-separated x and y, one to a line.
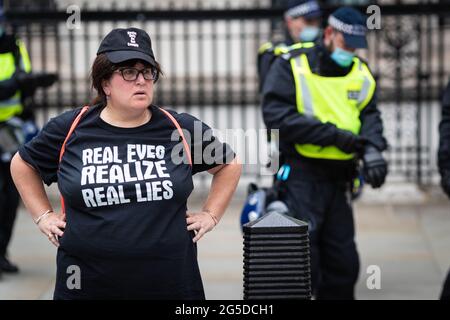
132	35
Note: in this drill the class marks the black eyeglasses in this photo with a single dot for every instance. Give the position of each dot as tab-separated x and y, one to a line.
131	74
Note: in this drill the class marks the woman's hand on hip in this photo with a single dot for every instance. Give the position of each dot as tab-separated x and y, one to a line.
201	222
52	226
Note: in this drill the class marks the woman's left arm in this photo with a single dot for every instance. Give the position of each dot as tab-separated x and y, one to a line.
224	183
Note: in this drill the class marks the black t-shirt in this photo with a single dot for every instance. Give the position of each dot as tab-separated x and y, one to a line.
125	196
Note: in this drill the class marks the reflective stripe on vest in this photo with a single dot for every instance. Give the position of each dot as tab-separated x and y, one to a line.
338	100
13	105
366	93
25	63
265	47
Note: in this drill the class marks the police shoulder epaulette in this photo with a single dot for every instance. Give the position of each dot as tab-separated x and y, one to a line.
363	60
265	47
281	49
301	45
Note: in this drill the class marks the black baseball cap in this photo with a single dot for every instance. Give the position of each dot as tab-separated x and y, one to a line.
127	44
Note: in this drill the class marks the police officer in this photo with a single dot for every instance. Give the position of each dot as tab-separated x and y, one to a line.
322	100
14	66
444	164
302	20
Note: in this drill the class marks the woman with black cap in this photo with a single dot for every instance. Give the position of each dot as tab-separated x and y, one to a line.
124	169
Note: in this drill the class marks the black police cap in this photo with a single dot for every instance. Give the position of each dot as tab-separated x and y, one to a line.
352	24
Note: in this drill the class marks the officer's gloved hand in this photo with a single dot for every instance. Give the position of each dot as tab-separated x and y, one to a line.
27	83
375	167
349	142
445	182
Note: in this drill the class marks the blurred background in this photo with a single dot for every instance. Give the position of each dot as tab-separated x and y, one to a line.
208	51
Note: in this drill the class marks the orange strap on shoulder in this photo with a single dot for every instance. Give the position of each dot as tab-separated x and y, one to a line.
180	131
72	128
63	147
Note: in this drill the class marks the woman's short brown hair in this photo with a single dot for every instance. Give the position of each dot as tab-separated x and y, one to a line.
102	69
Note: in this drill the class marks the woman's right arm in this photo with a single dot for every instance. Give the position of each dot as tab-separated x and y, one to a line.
31	189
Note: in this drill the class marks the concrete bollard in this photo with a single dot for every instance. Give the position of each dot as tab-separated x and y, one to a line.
276	258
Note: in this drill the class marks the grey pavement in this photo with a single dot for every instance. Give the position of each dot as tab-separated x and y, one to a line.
407	236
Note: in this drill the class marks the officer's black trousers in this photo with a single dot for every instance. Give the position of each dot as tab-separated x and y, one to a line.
9	201
322	201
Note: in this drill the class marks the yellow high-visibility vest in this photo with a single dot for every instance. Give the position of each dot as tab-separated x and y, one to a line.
277	51
13	105
338	100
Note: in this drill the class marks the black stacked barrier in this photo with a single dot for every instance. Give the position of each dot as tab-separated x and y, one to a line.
276	258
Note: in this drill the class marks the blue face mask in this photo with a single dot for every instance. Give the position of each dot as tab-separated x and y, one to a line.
342	57
309	34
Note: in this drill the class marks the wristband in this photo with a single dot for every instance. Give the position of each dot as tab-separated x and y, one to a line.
212	216
42	216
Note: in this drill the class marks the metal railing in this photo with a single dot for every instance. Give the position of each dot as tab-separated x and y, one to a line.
209	59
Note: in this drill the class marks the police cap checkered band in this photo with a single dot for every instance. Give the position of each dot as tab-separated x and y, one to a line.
303	9
351	29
